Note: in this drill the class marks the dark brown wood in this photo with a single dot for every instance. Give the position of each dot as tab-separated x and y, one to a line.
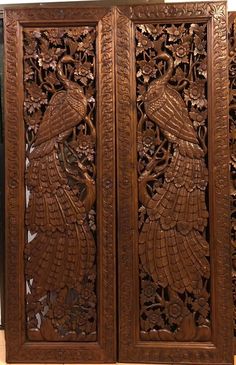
232	119
60	185
173	212
173	177
158	74
59	112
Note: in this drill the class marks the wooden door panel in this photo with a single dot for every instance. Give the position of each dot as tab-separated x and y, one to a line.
173	227
60	169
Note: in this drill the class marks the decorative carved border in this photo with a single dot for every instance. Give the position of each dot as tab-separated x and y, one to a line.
107	199
131	349
18	350
172	11
125	177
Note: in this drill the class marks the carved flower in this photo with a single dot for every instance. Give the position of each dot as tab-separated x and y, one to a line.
60	316
232	65
198	117
149	289
92	220
141	89
176	310
148	292
144	42
200	46
201	304
196	93
77	32
85	146
33	120
59	311
28	72
87	296
48	57
82	317
54	35
198	29
175	33
180	52
154	30
30	45
147	69
153	318
202	68
35	98
84	320
83	72
146	141
87	44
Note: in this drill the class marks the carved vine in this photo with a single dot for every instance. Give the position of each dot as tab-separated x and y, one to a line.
172	143
59	111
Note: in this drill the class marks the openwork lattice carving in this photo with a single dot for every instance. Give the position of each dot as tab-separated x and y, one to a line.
232	142
59	113
171	77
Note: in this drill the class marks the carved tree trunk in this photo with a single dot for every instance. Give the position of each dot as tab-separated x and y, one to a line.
137	94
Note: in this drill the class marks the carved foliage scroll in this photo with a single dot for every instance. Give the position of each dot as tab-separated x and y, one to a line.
171	79
59	113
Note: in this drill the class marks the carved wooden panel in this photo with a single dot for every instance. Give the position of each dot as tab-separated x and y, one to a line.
60	185
172	181
232	128
138	94
173	225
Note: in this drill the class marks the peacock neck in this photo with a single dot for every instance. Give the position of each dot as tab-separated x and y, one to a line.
164	79
61	75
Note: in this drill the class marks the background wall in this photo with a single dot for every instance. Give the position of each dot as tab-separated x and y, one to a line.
231	7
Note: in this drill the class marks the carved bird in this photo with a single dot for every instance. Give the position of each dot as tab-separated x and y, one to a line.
62	250
172	245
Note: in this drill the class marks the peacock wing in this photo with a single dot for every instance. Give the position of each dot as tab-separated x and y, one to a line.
171	115
59	117
77	101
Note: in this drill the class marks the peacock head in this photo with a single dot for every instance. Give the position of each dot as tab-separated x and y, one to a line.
61	74
159	43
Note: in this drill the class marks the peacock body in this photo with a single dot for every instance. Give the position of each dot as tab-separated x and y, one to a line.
172	244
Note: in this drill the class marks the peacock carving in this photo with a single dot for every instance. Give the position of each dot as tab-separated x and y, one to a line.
62	252
172	245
